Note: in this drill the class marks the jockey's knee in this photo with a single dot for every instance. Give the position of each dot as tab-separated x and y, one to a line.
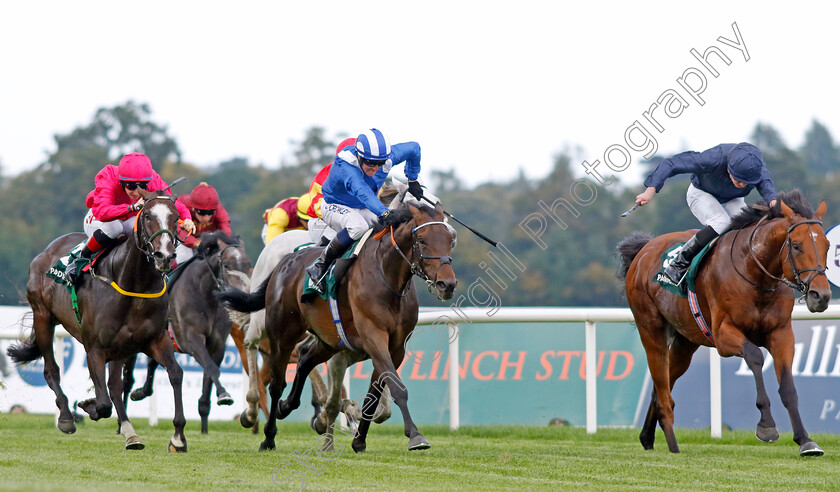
720	224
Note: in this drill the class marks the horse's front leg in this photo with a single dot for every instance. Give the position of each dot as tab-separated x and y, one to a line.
309	357
781	347
162	351
730	340
115	388
100	406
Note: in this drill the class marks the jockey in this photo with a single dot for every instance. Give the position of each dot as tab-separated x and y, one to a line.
207	213
350	204
720	179
285	215
318	229
114	204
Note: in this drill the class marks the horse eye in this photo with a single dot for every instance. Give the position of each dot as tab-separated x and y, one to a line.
796	247
420	240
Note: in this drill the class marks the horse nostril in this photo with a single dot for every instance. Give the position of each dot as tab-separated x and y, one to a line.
814	295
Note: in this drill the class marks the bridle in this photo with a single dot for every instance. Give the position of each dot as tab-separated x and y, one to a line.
222	270
799	284
142	239
417	253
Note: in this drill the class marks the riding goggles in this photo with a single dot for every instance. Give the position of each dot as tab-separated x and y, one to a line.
201	211
370	162
133	185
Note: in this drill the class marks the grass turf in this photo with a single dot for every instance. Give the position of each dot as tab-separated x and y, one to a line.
35	455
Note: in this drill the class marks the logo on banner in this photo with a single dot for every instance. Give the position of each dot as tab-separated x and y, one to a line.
33	373
832	271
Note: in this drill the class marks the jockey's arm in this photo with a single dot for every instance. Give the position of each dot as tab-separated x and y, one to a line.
355	184
278	220
408	152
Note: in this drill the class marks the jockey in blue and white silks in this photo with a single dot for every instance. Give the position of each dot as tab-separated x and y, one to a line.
350	204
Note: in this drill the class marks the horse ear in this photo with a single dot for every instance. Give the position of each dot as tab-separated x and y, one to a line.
821	209
785	209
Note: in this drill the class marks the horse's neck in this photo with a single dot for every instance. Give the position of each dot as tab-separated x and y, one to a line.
766	247
396	270
130	268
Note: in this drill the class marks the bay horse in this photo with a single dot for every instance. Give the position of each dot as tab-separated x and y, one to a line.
122	311
199	324
378	309
746	291
255	338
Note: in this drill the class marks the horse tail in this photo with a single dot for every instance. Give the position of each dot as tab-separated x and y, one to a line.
628	248
244	302
25	351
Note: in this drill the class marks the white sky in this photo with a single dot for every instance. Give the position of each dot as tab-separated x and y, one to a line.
485	87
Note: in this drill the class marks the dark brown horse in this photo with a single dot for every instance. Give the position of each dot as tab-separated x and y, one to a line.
199	324
123	311
377	305
746	290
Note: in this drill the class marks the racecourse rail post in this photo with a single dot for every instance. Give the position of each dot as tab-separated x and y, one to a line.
591	376
454	379
715	396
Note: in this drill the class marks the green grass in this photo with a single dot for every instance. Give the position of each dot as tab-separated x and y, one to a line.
35	455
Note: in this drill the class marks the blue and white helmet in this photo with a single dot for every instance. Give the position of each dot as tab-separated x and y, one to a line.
373	145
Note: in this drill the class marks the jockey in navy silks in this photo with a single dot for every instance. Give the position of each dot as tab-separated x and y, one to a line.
720	179
350	203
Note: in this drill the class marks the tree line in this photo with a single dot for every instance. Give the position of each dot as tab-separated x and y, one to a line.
571	264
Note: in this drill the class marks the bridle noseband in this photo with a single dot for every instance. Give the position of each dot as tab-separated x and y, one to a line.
799	284
416	252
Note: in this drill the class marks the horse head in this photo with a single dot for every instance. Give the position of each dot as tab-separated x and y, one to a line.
227	259
156	229
431	239
804	256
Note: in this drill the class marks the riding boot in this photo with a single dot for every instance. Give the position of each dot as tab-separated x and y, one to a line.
318	271
678	267
95	243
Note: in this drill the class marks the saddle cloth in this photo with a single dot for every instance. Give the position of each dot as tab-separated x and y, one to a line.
669	255
336	272
57	271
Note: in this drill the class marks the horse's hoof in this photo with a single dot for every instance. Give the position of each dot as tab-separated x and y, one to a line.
418	442
766	434
224	399
89	406
810	448
244	420
66	426
137	395
134	443
359	446
266	446
173	448
382	417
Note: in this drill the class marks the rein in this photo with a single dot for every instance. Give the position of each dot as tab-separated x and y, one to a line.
799	285
143	242
416	269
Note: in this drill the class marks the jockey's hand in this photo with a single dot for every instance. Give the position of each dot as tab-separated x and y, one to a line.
137	205
415	189
647	196
388	219
189	226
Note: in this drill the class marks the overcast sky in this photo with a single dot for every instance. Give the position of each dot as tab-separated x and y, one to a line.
484	87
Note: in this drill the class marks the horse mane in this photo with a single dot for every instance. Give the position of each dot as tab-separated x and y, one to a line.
403	214
793	199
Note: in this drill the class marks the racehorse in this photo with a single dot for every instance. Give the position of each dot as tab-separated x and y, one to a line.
200	327
746	290
255	338
378	309
122	311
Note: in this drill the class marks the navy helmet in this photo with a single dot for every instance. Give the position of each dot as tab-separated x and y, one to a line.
373	145
745	163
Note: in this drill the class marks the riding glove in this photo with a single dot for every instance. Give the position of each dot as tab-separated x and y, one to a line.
388	219
415	189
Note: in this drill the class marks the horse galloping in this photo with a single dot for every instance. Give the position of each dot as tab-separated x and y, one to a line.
199	325
746	292
378	310
122	310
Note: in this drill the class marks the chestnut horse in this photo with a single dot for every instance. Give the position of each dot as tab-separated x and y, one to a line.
123	311
746	291
378	309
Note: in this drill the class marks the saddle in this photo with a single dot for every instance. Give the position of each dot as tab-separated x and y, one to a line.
691	274
57	271
337	271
